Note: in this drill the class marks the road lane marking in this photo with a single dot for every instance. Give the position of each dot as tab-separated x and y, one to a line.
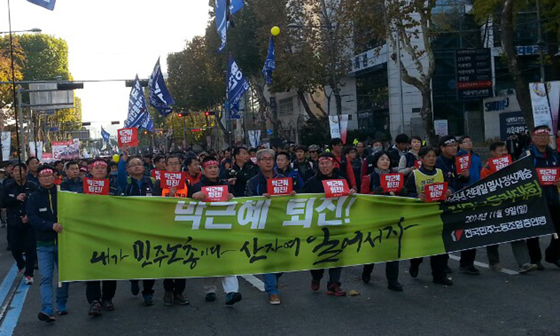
479	264
12	316
7	283
256	282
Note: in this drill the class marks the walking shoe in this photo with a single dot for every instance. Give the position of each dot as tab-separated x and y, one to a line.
148	300
334	289
20	270
95	309
274	299
413	270
168	298
395	286
232	298
448	270
108	305
443	281
469	270
46	317
496	267
61	307
315	285
135	287
526	268
210	297
29	280
556	262
540	266
366	277
180	299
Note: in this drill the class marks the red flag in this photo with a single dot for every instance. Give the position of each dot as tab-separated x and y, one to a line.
96	186
392	182
435	192
279	186
336	188
128	136
216	193
172	180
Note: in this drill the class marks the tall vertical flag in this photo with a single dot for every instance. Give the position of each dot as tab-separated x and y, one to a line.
48	4
105	135
224	9
138	114
237	85
159	96
269	63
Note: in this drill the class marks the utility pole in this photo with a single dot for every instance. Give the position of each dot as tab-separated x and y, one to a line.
20	121
540	42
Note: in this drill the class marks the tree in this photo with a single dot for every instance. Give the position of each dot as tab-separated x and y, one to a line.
6	90
46	57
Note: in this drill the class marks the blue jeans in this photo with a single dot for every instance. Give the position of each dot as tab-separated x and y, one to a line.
47	258
271	282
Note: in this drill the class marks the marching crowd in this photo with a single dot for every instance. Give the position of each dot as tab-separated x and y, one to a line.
29	195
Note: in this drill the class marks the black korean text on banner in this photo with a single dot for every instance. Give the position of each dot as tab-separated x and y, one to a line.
335	188
548	176
506	206
279	186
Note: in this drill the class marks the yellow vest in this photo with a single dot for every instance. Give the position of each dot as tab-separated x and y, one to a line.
422	180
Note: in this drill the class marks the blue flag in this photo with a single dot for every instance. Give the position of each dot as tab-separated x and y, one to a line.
223	17
138	115
160	98
269	63
237	85
48	4
105	135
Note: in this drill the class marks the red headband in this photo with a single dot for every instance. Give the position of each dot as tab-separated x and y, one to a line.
99	163
210	163
326	158
541	131
45	172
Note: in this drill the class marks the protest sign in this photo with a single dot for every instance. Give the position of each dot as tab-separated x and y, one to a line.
279	186
335	188
96	186
216	193
128	136
392	182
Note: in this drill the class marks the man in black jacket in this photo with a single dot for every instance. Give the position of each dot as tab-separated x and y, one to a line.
74	183
22	236
315	185
42	213
241	171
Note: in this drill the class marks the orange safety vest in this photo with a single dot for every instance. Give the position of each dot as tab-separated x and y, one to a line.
180	192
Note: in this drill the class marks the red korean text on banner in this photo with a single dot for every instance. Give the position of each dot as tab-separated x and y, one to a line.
279	186
499	163
172	180
392	182
215	193
548	176
463	163
335	188
156	173
435	192
96	186
418	164
128	136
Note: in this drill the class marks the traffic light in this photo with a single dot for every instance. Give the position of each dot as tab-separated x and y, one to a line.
69	86
207	113
181	114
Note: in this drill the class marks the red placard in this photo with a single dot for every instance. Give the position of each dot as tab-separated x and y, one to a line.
96	186
336	188
172	180
128	136
548	176
418	164
279	186
499	163
463	163
215	193
392	182
156	173
435	192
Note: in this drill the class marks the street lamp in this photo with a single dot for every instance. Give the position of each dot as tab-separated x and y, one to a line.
32	30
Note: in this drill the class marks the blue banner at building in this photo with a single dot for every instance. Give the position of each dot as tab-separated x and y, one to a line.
269	63
105	135
48	4
237	86
160	98
223	17
138	115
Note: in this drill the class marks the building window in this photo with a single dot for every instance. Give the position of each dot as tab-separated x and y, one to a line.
286	106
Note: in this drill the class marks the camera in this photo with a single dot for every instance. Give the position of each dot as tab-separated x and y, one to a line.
231	173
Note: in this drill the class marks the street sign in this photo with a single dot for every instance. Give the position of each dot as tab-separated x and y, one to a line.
474	73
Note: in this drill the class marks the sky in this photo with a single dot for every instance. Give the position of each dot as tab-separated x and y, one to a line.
112	39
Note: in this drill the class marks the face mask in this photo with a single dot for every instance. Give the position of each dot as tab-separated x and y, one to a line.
113	174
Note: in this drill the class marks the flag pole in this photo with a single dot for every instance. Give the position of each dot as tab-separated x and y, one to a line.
228	56
15	102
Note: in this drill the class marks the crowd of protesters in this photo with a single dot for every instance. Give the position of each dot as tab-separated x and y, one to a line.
29	196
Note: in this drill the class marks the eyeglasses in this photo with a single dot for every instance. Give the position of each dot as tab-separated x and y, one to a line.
174	164
136	165
312	152
267	159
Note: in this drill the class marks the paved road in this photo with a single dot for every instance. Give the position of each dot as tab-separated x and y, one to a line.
489	304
